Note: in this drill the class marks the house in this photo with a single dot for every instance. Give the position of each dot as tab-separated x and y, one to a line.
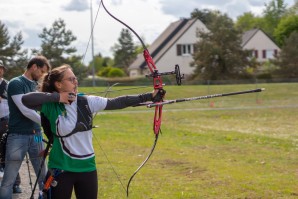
174	46
262	46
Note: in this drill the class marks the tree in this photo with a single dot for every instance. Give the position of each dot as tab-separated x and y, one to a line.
206	16
79	69
19	57
139	48
100	63
293	10
56	46
124	52
4	41
287	60
273	12
286	26
249	21
218	53
11	52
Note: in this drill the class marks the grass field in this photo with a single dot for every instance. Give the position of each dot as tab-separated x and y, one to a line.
241	146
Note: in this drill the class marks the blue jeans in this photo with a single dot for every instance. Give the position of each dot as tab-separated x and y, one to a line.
16	148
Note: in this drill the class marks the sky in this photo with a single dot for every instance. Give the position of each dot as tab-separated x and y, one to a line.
148	18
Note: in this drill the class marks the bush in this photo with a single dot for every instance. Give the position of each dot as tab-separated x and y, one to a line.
104	72
111	72
116	72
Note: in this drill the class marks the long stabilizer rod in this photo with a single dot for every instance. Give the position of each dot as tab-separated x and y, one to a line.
204	97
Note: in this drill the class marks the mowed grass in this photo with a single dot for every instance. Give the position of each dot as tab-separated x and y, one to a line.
241	146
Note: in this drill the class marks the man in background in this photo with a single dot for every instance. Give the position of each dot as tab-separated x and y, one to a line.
4	113
24	131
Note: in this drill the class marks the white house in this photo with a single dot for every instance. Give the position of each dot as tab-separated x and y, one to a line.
262	46
175	45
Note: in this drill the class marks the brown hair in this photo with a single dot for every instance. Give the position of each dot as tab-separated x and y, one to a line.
40	61
56	75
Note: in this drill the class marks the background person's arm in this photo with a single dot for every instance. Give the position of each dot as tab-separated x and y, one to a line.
29	113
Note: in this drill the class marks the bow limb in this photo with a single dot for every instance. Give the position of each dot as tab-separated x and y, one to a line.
143	163
157	84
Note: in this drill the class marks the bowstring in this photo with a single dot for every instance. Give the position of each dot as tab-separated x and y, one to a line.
92	29
103	151
97	141
113	169
156	136
83	58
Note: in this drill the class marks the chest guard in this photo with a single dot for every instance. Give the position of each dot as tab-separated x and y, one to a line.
84	116
84	119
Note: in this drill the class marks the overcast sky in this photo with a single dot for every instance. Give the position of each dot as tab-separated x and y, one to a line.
147	17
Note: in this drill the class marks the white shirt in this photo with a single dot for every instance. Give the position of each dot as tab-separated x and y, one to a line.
4	110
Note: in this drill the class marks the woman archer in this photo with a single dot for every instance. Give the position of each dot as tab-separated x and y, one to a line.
68	118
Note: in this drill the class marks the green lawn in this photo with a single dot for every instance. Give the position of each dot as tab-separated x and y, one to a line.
244	146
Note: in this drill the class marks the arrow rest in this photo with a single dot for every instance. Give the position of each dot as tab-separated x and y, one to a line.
176	72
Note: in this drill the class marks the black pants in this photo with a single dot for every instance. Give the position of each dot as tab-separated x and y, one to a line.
85	185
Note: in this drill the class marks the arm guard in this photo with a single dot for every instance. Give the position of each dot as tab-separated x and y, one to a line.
126	101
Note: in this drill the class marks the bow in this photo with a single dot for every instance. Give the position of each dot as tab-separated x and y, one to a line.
157	84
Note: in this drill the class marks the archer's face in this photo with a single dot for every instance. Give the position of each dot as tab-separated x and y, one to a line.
69	83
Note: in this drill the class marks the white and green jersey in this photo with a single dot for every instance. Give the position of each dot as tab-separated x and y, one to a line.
73	153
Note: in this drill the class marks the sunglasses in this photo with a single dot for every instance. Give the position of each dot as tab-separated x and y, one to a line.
71	79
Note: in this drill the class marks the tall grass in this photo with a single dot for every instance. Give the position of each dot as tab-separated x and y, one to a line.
231	147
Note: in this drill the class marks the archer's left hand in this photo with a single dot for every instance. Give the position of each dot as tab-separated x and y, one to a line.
158	95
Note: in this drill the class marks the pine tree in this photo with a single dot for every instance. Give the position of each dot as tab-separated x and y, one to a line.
11	52
125	51
56	46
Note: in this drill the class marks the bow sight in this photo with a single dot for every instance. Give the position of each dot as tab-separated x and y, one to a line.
176	72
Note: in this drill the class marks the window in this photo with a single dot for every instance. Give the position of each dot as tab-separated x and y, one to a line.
269	54
254	53
185	49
